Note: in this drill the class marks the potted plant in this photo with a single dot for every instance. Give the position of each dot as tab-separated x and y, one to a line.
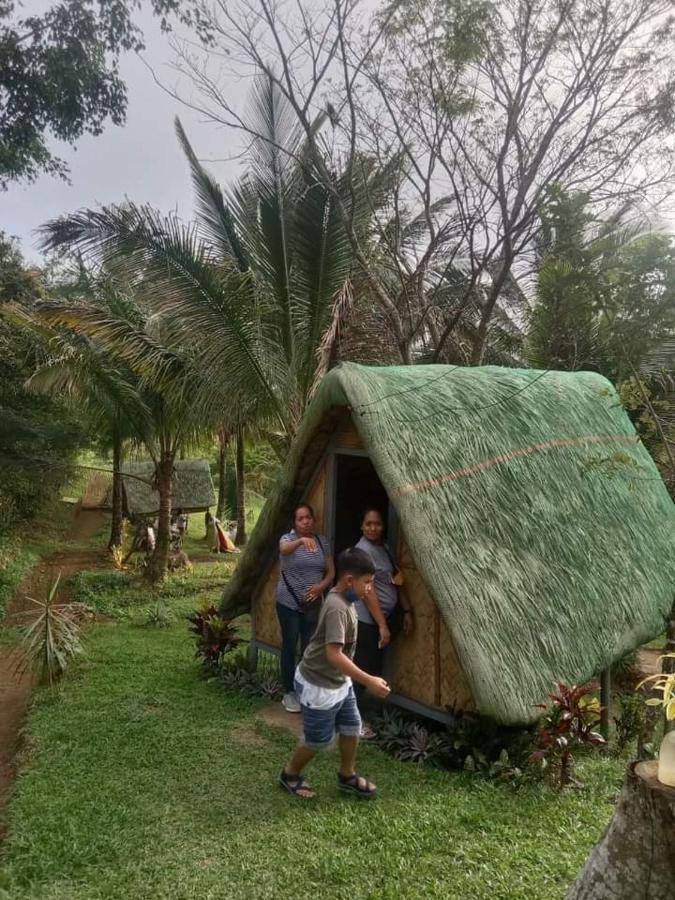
664	684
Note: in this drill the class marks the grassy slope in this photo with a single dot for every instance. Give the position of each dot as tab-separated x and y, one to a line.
143	781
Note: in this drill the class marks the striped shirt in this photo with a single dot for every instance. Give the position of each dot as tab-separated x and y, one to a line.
301	568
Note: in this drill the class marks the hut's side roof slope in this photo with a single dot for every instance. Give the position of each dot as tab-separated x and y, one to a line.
538	521
192	489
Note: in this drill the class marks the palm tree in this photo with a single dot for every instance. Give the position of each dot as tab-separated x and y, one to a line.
252	292
165	417
109	393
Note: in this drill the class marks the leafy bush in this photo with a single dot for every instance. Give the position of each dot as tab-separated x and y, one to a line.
251	684
242	675
631	720
469	742
14	562
410	740
215	636
568	723
622	668
158	616
91	586
52	638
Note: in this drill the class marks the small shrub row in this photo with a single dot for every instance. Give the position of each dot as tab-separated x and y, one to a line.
479	745
468	742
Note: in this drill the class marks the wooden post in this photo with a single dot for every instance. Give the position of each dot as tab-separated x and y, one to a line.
636	855
605	701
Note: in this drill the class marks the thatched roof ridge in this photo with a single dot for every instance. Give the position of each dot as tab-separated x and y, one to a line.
538	521
192	489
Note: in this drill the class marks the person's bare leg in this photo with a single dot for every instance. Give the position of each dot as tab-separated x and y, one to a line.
348	746
296	764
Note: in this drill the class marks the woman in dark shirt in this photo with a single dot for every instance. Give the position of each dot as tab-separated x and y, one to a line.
385	607
306	572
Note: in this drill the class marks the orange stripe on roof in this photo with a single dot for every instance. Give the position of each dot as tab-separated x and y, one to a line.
456	474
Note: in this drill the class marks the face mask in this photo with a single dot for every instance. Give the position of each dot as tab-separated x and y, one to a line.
351	596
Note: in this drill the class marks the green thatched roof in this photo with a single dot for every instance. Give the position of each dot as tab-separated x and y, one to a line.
192	487
537	520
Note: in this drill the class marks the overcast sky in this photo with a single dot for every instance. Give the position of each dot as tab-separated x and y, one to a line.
141	160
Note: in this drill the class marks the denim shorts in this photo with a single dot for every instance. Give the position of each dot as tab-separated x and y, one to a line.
321	725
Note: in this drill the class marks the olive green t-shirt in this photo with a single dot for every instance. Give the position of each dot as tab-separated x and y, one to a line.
337	624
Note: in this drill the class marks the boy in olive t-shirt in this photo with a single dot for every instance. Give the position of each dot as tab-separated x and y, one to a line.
323	683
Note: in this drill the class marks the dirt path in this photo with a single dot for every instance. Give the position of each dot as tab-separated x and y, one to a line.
274	714
648	662
16	687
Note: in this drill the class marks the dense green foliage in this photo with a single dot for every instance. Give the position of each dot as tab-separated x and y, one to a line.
605	292
60	78
605	301
38	436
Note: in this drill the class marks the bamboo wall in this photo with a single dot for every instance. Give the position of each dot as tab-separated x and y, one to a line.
422	667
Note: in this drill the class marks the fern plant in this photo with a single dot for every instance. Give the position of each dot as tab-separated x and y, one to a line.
51	639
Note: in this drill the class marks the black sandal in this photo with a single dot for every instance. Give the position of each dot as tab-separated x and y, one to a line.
351	784
294	784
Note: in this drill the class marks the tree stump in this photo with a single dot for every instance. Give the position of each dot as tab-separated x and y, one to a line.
635	858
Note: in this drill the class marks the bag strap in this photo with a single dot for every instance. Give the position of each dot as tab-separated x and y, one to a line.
299	603
391	558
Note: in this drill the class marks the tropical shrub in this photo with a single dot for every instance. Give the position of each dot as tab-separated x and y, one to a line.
622	669
215	636
158	616
630	722
469	742
252	678
52	638
569	723
664	684
410	740
252	684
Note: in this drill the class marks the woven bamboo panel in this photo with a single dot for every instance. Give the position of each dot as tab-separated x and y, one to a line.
346	436
415	657
425	666
266	622
454	690
317	498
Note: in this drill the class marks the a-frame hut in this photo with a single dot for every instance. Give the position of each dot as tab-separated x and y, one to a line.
193	489
534	531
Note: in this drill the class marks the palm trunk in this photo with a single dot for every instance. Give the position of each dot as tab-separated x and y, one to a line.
241	500
117	497
159	561
221	509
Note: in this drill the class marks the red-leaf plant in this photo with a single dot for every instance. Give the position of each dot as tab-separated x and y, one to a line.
569	723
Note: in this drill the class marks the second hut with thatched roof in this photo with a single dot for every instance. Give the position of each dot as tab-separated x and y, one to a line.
192	487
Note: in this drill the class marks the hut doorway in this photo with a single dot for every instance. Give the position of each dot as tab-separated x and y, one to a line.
356	487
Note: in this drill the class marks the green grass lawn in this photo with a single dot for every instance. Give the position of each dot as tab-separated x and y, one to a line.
140	780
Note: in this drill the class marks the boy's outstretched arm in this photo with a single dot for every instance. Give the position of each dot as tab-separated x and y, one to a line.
337	658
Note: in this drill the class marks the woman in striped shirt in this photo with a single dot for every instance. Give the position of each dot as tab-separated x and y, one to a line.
306	572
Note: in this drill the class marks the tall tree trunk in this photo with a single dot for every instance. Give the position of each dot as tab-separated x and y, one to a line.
158	564
636	855
117	496
221	509
478	350
241	500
